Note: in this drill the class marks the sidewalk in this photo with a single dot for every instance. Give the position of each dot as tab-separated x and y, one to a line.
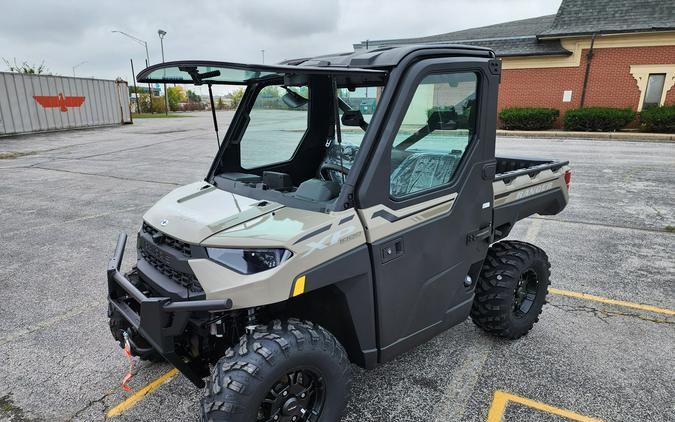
616	136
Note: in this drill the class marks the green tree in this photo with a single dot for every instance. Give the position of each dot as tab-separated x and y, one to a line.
176	96
236	97
193	97
220	105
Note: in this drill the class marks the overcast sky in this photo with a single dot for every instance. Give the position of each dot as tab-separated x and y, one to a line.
66	33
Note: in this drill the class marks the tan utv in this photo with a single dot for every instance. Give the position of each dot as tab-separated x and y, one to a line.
354	210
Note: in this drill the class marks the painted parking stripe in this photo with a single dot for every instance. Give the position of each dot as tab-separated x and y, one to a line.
138	395
585	296
501	400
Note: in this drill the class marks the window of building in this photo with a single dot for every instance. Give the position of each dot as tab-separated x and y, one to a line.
654	90
435	133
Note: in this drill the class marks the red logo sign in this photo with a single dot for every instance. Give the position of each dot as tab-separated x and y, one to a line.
60	101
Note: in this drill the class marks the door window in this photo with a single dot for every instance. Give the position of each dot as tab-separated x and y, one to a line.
434	134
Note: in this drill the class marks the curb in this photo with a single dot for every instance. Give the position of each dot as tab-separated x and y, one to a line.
610	136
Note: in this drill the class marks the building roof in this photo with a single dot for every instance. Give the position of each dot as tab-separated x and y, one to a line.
582	17
515	38
540	36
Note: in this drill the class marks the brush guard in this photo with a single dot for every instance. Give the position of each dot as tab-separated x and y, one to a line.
159	319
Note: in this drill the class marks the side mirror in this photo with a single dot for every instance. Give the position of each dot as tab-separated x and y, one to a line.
442	120
293	100
354	118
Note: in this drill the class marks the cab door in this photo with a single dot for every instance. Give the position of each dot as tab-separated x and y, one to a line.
426	199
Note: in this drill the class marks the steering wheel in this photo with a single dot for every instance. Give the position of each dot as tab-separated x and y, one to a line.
326	167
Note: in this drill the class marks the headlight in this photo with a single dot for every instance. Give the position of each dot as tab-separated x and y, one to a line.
249	261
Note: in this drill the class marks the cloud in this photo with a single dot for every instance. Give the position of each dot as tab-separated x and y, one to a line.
288	19
68	32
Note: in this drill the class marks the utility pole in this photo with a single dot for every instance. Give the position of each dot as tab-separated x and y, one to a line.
149	88
133	75
263	56
162	34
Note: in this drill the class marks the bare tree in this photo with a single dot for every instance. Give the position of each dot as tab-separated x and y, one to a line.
25	67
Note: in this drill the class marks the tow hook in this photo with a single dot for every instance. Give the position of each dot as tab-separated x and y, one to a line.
129	374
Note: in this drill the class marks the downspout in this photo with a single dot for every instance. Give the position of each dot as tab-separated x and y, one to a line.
589	57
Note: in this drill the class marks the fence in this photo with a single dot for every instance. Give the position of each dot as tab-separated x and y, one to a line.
37	103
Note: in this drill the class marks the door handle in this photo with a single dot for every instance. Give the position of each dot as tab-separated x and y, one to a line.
392	250
480	234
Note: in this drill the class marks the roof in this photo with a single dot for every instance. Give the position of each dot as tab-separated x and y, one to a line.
515	38
540	36
582	17
387	56
354	67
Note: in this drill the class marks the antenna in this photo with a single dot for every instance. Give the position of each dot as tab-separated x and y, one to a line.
213	113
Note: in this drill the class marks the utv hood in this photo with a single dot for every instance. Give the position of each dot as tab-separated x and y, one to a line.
194	212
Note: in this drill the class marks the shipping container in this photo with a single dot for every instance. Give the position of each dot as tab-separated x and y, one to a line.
42	103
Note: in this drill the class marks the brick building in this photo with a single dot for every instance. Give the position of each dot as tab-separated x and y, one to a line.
616	53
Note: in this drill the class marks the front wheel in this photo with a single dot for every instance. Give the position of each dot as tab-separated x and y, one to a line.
292	371
512	289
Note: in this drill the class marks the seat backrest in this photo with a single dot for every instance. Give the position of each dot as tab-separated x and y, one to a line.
420	171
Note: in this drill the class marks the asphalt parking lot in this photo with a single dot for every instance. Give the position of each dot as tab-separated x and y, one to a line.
65	196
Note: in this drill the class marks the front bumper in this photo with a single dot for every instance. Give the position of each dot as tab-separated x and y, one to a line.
159	320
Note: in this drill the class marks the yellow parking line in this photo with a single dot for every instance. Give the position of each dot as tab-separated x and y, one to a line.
609	301
138	395
502	398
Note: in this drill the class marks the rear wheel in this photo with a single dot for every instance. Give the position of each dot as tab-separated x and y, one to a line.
290	371
512	289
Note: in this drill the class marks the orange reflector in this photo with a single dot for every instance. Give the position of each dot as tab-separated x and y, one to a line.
299	287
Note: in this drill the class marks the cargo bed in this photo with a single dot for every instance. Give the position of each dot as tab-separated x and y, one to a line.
523	187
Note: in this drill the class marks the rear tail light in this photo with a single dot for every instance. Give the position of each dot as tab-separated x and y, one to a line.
568	178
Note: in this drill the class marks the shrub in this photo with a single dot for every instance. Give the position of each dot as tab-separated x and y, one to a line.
658	119
604	119
528	118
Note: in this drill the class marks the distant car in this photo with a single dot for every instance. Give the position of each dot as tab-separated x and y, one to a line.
298	255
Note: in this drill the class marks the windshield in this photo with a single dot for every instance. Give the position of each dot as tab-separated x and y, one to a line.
275	129
283	143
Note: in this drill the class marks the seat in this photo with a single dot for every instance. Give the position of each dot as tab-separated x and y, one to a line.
421	171
317	190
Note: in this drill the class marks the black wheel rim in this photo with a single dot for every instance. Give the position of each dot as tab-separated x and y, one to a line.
526	293
298	396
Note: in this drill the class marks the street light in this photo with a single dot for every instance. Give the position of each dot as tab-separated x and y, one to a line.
162	34
147	61
139	41
76	66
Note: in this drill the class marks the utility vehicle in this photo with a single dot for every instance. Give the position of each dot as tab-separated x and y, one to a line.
354	210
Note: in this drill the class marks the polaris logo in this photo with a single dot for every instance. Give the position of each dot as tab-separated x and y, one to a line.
534	190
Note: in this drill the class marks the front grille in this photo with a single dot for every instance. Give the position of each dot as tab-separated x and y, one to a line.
176	244
187	280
